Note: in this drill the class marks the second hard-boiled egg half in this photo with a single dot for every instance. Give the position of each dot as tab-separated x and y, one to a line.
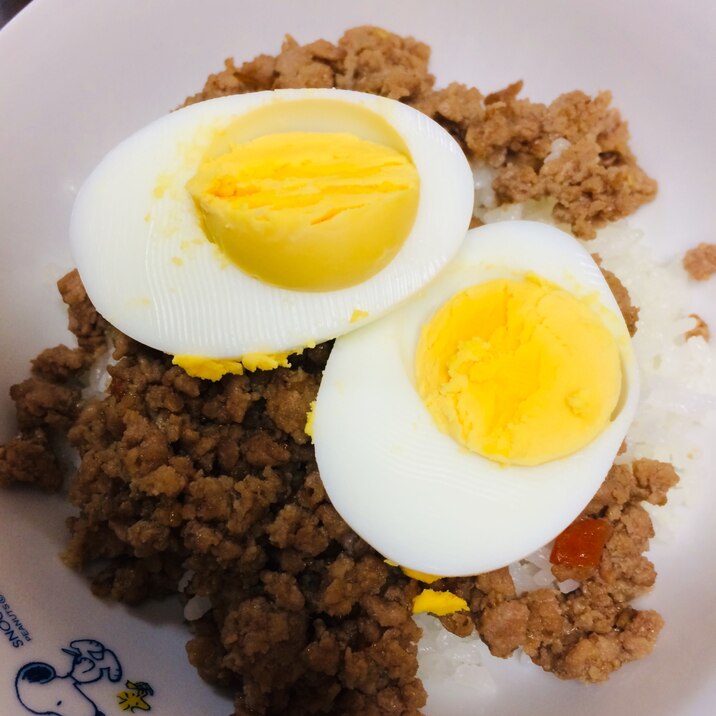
473	424
262	223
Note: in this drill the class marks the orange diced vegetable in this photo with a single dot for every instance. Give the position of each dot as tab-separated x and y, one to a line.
581	544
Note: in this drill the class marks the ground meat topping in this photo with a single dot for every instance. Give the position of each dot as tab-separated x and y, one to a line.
219	478
29	458
84	321
382	63
629	311
700	329
60	363
594	179
43	403
700	262
504	627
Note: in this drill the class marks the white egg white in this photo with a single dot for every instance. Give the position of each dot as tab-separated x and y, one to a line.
149	269
408	489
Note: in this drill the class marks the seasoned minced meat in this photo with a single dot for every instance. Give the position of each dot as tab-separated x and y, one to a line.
28	458
700	329
629	311
216	483
84	321
700	262
45	403
218	479
596	178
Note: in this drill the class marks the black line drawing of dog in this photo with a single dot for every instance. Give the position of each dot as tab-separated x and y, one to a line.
41	690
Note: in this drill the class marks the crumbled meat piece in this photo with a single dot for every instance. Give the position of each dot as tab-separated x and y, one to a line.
700	329
253	76
511	135
346	581
613	493
455	107
84	321
284	590
461	624
574	115
496	586
700	262
60	363
639	633
455	103
546	623
629	311
305	66
29	458
654	479
504	627
206	653
644	479
43	403
288	400
587	193
132	580
516	183
595	657
506	94
596	179
298	529
563	572
380	62
262	450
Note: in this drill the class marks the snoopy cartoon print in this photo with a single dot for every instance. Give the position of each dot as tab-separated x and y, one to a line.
44	691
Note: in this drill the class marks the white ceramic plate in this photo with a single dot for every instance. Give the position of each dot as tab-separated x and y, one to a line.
76	76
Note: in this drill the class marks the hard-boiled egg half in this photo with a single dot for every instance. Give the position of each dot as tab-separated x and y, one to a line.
473	424
258	224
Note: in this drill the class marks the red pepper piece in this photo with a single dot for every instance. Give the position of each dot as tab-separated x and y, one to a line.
581	544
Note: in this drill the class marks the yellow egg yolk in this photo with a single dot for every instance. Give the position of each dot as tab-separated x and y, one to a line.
215	368
310	416
414	573
519	371
420	576
438	603
312	211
